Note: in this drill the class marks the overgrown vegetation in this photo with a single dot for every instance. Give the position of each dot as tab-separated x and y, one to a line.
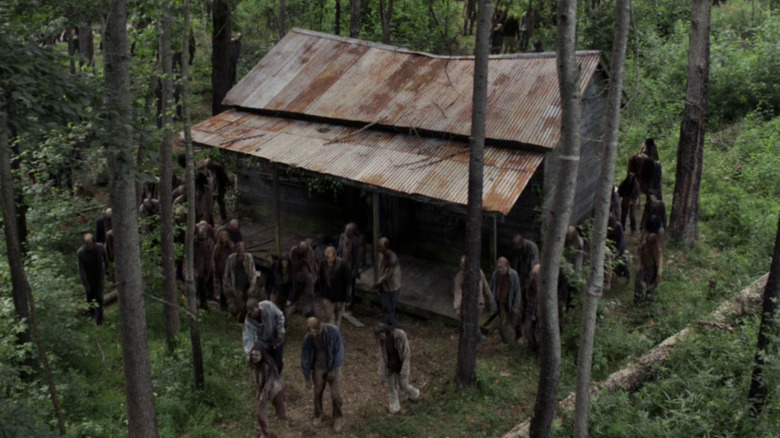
702	391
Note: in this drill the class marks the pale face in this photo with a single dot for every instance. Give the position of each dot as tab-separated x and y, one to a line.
330	255
502	266
256	356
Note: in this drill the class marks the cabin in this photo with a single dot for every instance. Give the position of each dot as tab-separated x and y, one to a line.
330	130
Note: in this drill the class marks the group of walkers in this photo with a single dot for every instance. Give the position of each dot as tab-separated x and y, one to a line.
224	271
290	290
513	286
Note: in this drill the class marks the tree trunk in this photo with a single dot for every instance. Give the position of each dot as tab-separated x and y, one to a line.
759	392
86	46
558	221
129	281
282	13
220	54
385	15
189	275
166	191
13	248
22	293
20	203
684	220
595	285
338	18
467	344
354	23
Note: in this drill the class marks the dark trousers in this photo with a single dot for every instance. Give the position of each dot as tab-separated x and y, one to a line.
389	302
277	354
223	304
628	209
95	295
333	379
204	288
644	286
220	198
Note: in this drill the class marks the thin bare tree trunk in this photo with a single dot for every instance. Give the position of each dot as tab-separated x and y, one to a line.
558	221
221	49
282	14
598	238
759	392
22	293
166	191
338	18
467	343
354	23
13	248
86	45
132	314
385	16
189	275
684	219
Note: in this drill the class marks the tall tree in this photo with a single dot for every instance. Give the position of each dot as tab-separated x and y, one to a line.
221	48
166	190
684	219
599	236
759	392
354	20
568	158
19	285
189	274
282	18
129	281
385	16
337	18
467	344
22	292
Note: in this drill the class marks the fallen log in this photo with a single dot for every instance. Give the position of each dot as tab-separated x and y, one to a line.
632	377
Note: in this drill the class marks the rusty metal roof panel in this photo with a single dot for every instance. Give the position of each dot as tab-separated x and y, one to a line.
341	79
422	167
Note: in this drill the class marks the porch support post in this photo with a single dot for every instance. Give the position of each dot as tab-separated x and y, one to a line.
375	224
277	212
493	243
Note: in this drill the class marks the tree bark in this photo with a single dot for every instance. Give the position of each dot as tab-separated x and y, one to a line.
166	191
337	18
558	221
385	16
282	18
86	46
684	219
220	54
595	285
129	281
19	285
21	290
354	23
189	275
467	343
759	393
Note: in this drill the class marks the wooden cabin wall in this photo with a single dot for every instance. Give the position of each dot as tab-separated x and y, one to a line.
425	230
524	218
303	213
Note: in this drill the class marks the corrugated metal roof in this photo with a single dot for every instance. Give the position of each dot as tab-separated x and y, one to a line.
418	166
345	79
